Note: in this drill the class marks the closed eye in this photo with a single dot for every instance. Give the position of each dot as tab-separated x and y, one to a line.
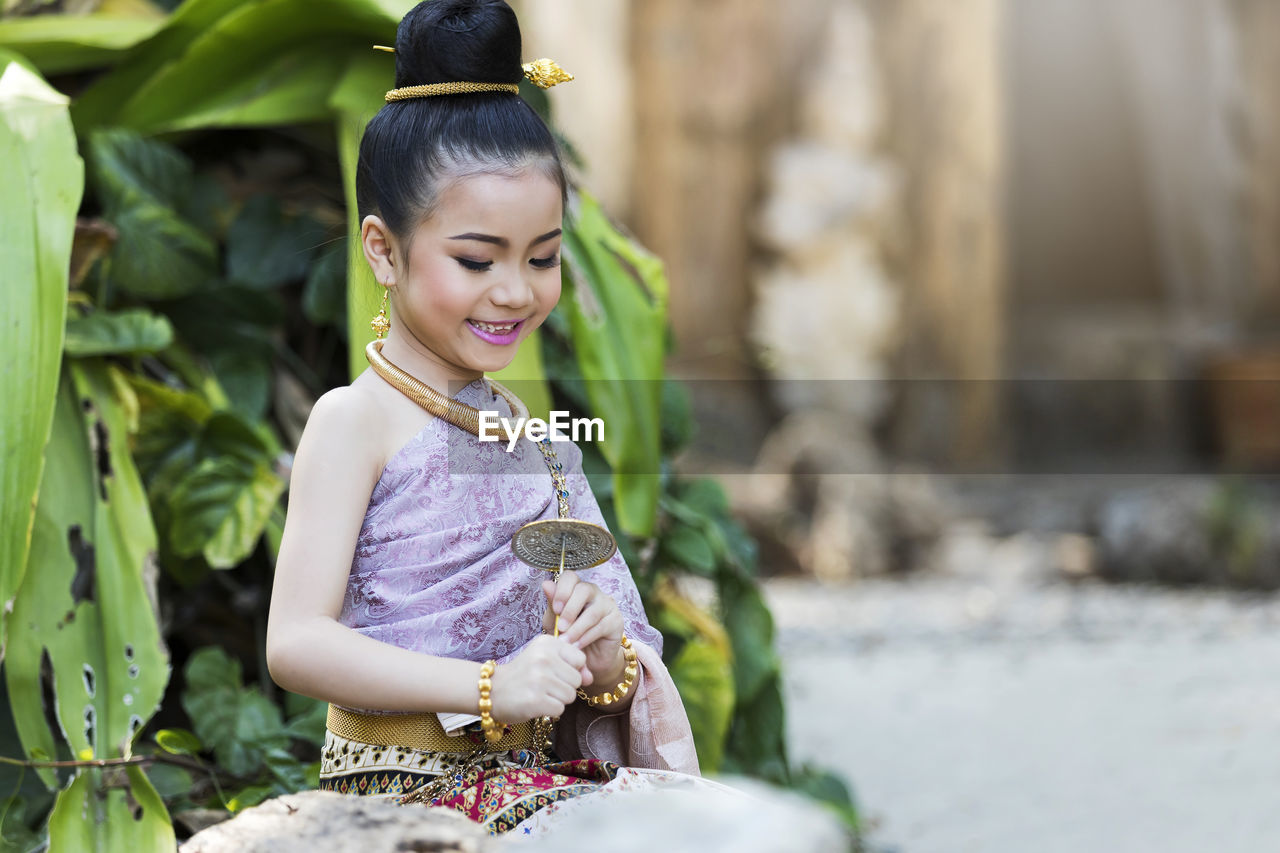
546	263
474	266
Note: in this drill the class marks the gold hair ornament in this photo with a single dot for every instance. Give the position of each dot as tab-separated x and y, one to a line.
543	73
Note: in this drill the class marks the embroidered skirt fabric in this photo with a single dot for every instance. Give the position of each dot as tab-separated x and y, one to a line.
498	792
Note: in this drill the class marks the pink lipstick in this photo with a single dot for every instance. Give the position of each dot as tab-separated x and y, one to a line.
495	338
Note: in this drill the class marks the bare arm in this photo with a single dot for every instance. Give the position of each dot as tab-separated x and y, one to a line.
308	650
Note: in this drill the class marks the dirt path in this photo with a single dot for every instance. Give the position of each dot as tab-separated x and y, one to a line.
1011	713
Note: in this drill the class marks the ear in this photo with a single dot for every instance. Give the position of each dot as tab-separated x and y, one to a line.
379	249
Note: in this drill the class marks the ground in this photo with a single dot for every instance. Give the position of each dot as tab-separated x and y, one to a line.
992	710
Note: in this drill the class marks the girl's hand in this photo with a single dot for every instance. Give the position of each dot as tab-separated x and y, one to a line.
591	621
541	681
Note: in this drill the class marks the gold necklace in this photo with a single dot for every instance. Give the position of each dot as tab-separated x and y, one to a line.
446	408
552	544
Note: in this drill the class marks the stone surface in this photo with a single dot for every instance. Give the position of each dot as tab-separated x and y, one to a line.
328	822
750	819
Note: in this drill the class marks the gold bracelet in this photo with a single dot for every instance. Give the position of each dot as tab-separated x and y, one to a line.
492	728
624	686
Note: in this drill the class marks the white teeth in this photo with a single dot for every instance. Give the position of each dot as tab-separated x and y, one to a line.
492	329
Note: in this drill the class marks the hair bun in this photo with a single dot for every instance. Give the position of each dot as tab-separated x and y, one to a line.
443	41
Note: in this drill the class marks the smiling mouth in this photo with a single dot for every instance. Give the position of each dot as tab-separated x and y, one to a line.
496	328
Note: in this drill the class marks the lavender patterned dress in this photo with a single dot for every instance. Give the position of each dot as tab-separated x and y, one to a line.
433	570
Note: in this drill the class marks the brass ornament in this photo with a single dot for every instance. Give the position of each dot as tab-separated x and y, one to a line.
545	73
381	323
556	544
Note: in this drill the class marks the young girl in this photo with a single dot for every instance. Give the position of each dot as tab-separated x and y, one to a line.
397	595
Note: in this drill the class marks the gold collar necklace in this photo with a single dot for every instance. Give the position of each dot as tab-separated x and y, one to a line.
553	544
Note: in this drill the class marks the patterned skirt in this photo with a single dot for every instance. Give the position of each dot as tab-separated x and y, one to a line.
499	792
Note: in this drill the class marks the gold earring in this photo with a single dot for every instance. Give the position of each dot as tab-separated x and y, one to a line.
381	323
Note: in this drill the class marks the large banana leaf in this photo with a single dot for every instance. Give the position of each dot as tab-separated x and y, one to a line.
122	814
62	43
90	607
226	62
616	301
355	99
41	183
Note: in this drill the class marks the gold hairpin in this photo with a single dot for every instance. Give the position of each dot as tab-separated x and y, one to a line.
543	73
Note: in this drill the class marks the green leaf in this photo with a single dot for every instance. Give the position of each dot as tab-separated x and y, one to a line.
61	43
616	305
307	724
245	374
142	184
91	608
178	741
131	332
266	248
757	743
170	782
41	184
354	102
750	627
92	815
220	510
324	298
225	62
827	788
241	725
686	546
704	677
249	797
678	425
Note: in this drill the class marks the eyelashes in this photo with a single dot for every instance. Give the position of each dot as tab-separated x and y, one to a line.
480	266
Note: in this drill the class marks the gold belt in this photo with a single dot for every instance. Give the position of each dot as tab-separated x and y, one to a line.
418	731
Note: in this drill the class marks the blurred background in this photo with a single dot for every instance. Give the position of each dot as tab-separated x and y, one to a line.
980	305
975	306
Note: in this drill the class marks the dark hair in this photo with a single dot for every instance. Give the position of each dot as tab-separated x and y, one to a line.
411	147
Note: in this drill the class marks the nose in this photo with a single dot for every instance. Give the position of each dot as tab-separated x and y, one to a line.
514	292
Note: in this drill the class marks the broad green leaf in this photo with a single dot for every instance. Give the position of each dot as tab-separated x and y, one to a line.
220	509
687	547
61	43
750	627
249	797
267	248
41	183
757	743
354	102
240	724
704	677
141	184
178	741
91	607
130	332
616	304
324	298
308	725
232	63
95	814
245	374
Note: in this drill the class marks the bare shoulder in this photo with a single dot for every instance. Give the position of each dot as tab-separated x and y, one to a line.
344	431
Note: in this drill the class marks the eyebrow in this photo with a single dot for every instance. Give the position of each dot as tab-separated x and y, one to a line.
502	241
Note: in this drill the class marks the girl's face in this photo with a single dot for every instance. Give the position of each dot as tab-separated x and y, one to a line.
483	271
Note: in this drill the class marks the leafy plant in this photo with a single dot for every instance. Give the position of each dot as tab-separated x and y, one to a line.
166	445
